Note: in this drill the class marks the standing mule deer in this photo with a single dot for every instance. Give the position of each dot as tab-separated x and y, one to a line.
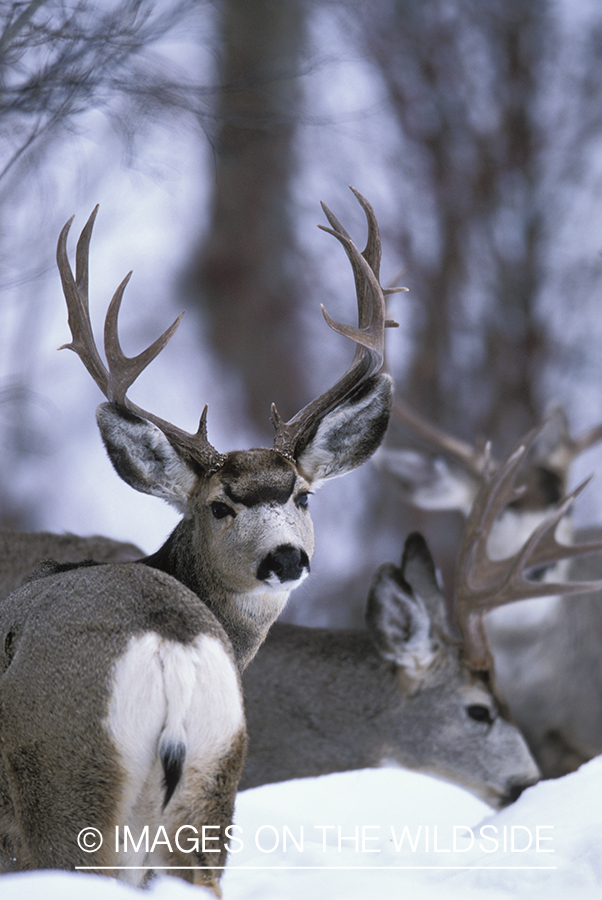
547	651
120	700
405	690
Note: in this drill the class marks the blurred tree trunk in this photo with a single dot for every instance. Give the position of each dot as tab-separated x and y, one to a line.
244	279
479	342
464	80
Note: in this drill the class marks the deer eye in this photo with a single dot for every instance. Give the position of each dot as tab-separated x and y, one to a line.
479	713
221	510
302	499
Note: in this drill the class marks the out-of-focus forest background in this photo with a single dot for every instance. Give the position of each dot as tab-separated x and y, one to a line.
209	132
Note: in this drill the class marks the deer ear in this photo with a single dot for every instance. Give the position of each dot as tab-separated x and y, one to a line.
143	457
349	434
399	623
422	576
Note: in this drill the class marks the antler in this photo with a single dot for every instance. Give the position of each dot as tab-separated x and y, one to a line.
122	370
368	336
473	458
483	584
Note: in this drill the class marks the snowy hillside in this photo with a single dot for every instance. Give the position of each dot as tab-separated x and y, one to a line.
546	845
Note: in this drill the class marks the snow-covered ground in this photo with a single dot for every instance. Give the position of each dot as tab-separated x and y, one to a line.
384	834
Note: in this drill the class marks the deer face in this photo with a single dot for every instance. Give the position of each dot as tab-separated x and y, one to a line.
256	522
465	736
446	720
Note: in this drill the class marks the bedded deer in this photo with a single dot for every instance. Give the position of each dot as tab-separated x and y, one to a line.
546	650
120	699
405	690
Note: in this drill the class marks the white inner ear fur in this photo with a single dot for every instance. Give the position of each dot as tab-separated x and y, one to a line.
348	435
414	653
144	458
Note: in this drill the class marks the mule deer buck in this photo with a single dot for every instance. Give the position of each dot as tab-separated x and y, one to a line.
120	700
405	690
547	651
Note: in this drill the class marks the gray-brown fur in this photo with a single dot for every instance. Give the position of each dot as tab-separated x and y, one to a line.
21	552
56	659
399	692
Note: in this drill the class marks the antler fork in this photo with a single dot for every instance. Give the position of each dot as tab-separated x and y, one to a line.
115	380
122	370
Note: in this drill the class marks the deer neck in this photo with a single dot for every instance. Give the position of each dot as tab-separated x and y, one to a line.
245	617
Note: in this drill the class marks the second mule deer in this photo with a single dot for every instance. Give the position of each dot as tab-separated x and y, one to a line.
120	702
546	650
404	690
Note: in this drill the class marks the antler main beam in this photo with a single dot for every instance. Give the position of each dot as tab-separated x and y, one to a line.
115	380
368	336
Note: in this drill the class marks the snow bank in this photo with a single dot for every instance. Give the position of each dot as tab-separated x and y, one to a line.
342	836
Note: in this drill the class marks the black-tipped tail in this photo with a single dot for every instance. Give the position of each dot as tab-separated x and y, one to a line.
172	760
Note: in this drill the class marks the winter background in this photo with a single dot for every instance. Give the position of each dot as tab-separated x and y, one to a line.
150	207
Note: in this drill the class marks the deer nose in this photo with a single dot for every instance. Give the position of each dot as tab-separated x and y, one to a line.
286	563
514	791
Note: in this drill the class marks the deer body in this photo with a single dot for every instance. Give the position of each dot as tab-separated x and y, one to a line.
22	551
399	692
320	700
136	664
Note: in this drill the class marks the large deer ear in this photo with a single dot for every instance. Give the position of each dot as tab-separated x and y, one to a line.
399	623
143	457
421	574
349	434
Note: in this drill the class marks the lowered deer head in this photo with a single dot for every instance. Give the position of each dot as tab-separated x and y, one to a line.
546	648
406	690
129	672
448	473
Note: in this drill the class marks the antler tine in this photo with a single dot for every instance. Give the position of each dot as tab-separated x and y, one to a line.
482	584
368	336
470	457
122	370
76	295
584	441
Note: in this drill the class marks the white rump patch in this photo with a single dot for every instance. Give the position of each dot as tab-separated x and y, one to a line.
170	692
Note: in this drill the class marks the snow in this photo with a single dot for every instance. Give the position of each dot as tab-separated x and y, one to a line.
342	836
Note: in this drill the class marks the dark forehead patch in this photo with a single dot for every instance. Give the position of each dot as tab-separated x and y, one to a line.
257	476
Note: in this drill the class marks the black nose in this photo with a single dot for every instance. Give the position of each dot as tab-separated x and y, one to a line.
286	563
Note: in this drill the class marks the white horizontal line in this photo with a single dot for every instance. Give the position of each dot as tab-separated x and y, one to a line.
325	868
